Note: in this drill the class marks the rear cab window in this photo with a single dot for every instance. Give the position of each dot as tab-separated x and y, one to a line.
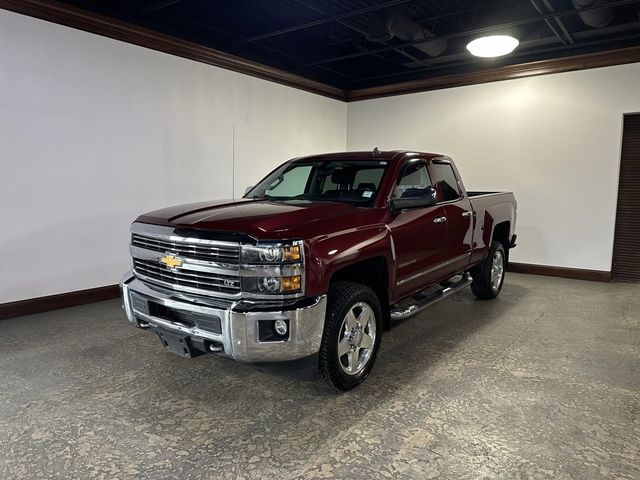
446	180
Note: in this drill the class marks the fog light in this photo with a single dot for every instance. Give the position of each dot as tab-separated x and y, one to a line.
280	327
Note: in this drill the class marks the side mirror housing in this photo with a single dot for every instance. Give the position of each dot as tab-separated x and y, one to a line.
248	189
414	198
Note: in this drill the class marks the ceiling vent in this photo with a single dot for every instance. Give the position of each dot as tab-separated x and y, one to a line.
596	17
395	24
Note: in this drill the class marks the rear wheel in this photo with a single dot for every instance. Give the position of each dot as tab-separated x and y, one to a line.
488	277
351	337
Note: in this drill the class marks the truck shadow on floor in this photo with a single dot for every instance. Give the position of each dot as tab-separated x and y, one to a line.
435	353
459	325
443	327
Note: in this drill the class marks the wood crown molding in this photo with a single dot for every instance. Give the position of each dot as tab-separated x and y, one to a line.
74	17
80	19
543	67
562	272
54	302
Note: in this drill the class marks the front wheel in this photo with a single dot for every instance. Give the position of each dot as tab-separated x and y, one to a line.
488	277
351	338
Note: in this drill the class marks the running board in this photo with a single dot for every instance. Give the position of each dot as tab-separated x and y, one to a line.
420	304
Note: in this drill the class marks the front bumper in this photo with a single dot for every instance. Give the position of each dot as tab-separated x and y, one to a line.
237	332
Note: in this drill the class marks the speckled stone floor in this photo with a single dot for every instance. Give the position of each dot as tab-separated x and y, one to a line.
543	382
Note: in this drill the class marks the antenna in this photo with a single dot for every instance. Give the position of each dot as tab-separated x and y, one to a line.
376	151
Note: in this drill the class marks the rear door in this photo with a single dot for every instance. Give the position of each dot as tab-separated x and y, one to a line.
459	214
419	234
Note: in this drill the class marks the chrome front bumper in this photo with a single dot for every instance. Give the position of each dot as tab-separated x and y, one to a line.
238	332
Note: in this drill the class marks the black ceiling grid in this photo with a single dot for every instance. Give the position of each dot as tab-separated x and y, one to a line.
354	44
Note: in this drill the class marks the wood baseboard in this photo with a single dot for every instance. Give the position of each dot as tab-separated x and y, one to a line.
91	295
562	272
54	302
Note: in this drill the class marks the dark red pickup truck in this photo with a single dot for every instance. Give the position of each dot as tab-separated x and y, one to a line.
317	260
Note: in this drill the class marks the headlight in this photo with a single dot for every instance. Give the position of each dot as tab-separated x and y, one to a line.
271	253
272	285
272	268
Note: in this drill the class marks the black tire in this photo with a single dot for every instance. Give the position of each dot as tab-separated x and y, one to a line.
343	298
483	285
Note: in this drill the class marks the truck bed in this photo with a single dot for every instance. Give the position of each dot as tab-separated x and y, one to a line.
481	201
490	209
481	193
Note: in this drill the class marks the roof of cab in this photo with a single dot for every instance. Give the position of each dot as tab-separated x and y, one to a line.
366	155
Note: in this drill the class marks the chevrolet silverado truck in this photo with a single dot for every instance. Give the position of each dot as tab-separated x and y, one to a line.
317	260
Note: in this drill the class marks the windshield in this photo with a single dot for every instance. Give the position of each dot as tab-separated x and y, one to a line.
351	181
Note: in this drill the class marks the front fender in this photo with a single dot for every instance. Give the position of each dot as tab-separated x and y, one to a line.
330	253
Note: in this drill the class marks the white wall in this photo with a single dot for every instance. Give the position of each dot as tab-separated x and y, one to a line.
94	131
554	140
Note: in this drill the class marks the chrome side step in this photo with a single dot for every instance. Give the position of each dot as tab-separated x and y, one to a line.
421	302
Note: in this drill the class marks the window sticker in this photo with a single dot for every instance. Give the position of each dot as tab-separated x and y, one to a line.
367	194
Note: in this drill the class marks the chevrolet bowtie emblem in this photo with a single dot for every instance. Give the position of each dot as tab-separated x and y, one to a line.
171	261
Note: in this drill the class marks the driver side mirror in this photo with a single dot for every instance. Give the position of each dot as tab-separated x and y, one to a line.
414	198
248	189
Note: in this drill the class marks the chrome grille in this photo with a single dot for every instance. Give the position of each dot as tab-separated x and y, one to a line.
225	253
191	279
220	276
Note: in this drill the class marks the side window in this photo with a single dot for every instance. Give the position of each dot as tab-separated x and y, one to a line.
414	181
447	181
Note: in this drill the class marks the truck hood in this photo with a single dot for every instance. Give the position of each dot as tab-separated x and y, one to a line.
263	219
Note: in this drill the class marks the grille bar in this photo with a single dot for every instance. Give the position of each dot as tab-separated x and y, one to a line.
191	278
222	253
194	274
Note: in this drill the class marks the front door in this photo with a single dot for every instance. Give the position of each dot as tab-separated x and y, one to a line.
419	234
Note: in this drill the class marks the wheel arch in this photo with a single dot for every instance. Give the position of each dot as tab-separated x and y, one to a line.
372	272
501	232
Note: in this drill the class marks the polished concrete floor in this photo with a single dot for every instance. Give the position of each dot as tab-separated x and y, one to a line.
543	382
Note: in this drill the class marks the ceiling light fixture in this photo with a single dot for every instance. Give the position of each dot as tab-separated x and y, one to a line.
492	46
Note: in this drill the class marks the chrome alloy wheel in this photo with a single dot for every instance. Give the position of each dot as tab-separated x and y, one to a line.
497	270
357	338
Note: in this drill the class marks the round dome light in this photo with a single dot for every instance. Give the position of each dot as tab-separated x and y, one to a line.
492	46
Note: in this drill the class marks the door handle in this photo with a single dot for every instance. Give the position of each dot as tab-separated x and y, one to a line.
467	213
440	220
